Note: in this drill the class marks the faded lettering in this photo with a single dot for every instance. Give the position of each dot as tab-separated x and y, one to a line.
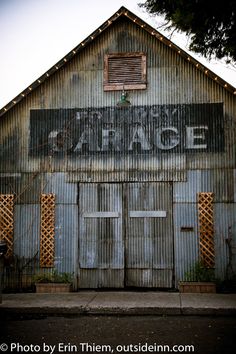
133	130
139	139
59	141
196	137
167	143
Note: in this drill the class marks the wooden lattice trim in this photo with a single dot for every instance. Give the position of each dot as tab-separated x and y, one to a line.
7	221
47	243
206	229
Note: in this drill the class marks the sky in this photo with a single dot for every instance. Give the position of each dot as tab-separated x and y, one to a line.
35	34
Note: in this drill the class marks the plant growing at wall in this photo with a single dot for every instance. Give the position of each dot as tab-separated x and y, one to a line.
19	270
200	273
198	280
54	277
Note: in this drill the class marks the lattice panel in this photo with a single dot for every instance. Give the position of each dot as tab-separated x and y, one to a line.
47	230
6	221
206	228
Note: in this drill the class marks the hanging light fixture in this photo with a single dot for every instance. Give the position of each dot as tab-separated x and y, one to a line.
123	99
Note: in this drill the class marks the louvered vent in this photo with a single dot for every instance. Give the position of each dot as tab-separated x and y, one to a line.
125	70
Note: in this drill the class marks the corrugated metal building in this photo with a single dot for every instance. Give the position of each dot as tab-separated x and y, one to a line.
102	160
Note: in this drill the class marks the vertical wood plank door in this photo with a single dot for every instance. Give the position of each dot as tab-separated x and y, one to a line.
101	245
149	235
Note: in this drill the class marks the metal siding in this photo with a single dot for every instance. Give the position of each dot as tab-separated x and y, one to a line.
19	270
66	239
26	231
150	278
234	184
186	243
218	181
28	188
27	237
9	183
132	176
225	227
66	193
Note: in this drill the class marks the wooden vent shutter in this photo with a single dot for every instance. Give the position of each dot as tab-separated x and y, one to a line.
125	70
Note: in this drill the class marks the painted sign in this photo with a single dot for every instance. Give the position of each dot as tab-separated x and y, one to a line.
139	129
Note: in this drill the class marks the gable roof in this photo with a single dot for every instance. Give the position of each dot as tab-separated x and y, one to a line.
132	17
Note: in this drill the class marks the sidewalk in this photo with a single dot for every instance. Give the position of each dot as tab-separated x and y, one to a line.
119	303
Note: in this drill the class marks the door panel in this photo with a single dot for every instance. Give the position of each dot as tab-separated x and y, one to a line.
149	237
101	249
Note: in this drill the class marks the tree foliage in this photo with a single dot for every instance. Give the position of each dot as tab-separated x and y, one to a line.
209	23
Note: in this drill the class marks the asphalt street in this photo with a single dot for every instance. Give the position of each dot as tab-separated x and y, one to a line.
118	334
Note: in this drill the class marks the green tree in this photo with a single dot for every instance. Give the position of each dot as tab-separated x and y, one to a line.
209	23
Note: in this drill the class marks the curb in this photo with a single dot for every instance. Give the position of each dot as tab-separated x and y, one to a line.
136	311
